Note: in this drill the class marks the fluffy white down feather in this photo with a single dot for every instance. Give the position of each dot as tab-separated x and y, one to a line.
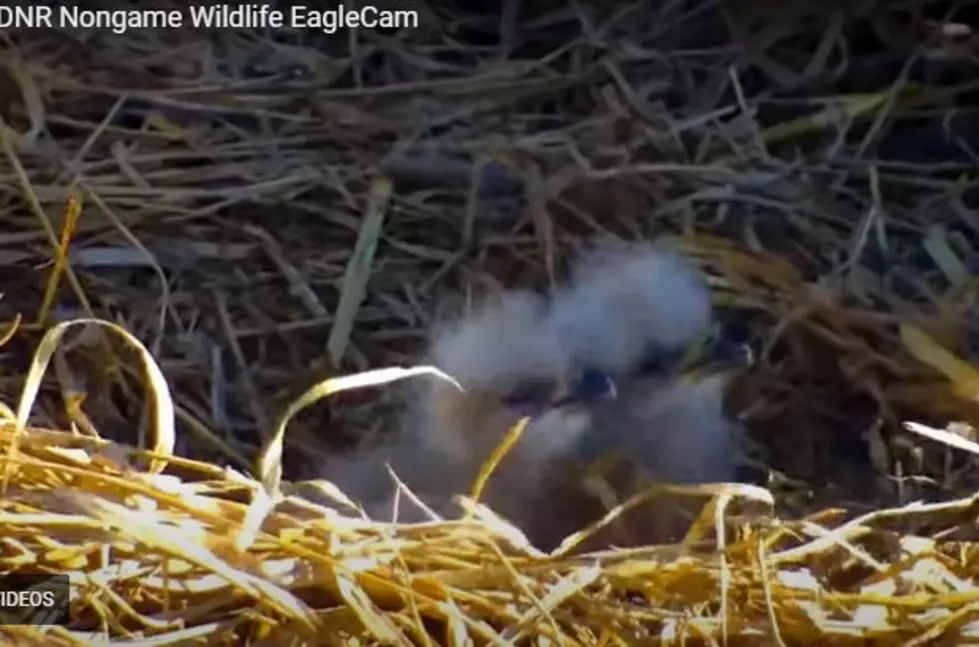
623	299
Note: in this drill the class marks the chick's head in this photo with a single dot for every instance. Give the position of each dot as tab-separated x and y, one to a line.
630	312
510	365
630	304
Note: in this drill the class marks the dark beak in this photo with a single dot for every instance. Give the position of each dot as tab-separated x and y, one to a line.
721	351
587	388
716	352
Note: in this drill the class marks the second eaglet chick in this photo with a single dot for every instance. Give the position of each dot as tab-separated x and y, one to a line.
510	365
630	313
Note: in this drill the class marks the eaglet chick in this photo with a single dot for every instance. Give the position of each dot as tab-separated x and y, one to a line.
597	368
631	312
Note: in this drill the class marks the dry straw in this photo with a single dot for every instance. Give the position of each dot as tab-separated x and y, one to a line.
219	556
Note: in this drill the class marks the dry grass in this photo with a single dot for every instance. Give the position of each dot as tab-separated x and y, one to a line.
263	212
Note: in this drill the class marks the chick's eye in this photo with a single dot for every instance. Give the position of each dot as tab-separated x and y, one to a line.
592	385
